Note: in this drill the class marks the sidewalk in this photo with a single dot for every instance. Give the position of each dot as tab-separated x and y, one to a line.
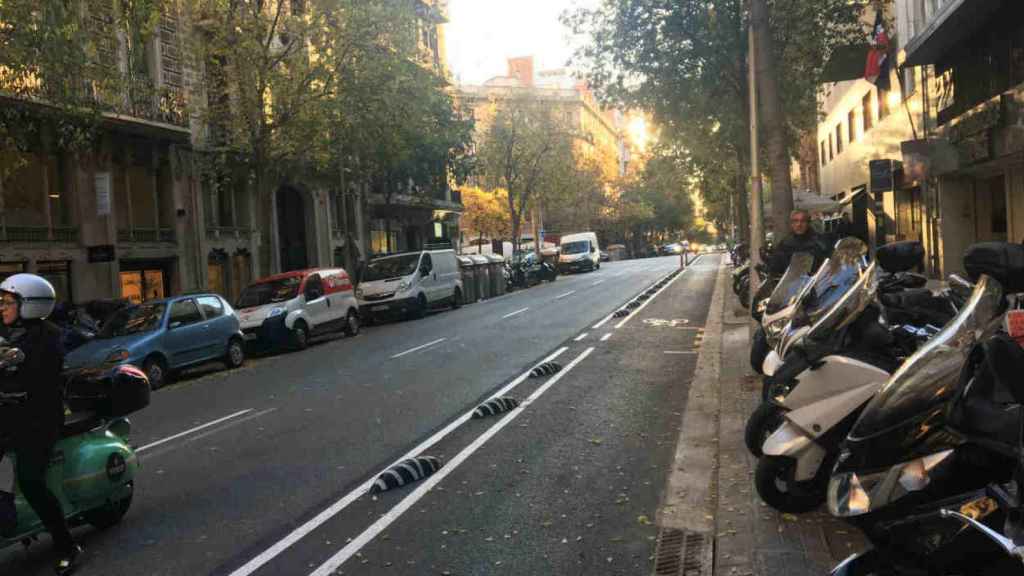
751	538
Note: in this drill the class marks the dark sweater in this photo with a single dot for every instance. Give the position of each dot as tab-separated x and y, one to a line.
42	414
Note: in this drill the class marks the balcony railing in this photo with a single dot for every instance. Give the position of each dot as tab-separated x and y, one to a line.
38	234
220	232
146	235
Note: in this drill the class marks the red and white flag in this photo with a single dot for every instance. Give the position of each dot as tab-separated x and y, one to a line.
876	70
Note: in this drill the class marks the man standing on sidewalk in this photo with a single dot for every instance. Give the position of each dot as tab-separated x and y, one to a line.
802	238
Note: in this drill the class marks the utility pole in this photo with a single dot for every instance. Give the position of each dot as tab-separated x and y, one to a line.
755	171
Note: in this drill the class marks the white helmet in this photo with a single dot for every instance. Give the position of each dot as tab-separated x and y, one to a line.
36	296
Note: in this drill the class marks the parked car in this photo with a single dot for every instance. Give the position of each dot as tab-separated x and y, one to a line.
579	252
410	283
605	257
672	249
286	309
163	336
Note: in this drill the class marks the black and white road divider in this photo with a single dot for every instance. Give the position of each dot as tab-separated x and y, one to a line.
621	313
406	472
545	369
495	406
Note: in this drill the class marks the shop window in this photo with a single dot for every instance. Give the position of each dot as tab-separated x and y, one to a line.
27	192
240	269
10	269
216	277
142	285
851	126
57	273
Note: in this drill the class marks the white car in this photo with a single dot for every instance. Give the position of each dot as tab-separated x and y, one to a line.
579	252
286	309
410	283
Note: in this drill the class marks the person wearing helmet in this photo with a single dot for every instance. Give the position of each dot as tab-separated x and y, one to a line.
34	427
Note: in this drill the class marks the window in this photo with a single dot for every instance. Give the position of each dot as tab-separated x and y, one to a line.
58	273
824	159
839	139
215	275
184	312
830	154
10	269
851	126
865	111
211	306
426	263
314	287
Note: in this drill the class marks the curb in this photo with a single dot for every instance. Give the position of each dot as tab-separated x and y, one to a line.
690	498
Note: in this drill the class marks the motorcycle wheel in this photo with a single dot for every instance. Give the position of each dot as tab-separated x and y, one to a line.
110	513
744	292
762	423
773	479
759	350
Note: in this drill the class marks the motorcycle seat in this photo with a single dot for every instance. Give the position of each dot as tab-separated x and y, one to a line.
79	423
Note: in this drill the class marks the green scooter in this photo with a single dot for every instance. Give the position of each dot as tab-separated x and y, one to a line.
92	467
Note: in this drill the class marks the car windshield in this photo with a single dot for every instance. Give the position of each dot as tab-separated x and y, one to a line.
263	293
930	376
133	320
392	267
579	247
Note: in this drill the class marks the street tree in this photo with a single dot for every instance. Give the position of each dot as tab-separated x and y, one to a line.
485	213
686	64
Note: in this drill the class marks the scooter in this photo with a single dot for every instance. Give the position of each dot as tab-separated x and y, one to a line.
950	421
92	471
839	360
775	311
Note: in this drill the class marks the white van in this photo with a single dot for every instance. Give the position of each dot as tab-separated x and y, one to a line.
579	252
410	283
286	309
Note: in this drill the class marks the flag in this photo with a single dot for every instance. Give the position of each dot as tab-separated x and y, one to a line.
876	70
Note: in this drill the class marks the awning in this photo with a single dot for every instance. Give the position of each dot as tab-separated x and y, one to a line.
814	203
955	22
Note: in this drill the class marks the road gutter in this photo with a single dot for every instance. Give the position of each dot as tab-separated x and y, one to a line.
690	498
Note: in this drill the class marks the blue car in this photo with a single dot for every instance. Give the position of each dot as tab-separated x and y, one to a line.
163	336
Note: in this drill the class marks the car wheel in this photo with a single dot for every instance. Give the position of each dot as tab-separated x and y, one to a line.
421	307
351	323
457	299
156	370
235	356
300	335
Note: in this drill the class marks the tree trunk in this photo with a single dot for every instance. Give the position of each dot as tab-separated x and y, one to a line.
772	119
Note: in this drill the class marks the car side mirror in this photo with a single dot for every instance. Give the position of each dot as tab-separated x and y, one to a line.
174	325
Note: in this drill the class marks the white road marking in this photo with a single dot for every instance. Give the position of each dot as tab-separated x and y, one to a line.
580	337
606	337
605	321
680	351
334	509
598	282
192	430
511	314
656	294
332	564
411	350
569	293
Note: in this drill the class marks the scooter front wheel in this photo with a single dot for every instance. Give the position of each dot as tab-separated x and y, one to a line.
763	422
774	480
110	513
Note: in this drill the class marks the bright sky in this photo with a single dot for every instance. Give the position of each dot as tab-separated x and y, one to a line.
481	34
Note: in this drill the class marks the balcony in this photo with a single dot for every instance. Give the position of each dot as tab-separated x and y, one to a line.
33	234
139	98
151	235
227	232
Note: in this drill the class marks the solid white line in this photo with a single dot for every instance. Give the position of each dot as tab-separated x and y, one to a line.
605	321
680	351
332	564
569	293
606	337
598	282
580	337
191	430
410	351
511	314
360	491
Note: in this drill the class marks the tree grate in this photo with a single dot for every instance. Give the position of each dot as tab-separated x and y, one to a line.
681	553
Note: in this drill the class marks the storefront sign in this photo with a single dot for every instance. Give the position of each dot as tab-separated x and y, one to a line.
883	174
102	253
102	184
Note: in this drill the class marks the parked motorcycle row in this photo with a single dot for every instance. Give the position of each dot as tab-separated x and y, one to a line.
527	270
898	407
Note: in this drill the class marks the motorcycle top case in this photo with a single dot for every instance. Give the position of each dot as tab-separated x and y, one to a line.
110	392
900	256
1000	260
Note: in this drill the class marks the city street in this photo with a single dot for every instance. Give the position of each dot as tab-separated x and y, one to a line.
265	470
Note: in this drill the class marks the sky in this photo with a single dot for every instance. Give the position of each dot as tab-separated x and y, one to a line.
481	34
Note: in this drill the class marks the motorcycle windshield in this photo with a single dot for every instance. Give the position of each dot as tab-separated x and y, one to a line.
789	286
839	291
930	376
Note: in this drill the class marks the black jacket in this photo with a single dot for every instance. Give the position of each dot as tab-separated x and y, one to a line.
42	414
810	242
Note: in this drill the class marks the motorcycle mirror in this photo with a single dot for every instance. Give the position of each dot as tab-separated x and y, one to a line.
1003	542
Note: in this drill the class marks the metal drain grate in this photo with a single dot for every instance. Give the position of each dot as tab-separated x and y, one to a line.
681	553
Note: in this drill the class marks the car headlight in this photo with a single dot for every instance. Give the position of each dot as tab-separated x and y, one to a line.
275	312
852	494
116	357
403	285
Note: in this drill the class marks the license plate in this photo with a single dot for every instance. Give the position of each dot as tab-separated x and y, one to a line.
379	308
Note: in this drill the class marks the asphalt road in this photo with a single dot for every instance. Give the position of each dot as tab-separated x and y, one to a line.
263	470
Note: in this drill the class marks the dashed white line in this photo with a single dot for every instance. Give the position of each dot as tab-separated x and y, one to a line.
382	523
192	430
511	314
605	321
598	282
569	293
313	523
421	347
606	337
580	337
680	351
